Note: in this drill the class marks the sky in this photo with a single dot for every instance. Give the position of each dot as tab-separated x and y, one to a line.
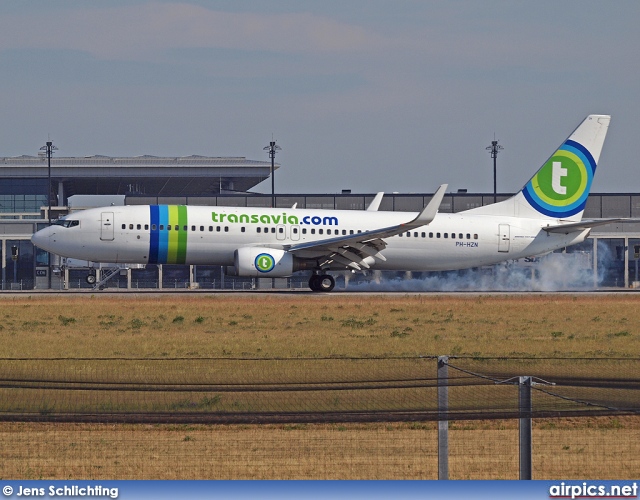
367	95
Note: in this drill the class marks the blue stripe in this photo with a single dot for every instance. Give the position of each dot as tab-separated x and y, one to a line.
155	234
584	151
163	240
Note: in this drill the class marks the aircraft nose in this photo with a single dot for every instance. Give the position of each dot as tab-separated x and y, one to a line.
41	238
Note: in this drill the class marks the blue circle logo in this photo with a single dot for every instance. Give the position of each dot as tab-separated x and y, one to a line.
265	262
561	187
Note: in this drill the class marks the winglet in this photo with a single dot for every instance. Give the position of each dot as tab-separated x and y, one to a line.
375	203
429	212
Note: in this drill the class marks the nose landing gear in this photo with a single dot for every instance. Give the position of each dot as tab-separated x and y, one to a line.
321	282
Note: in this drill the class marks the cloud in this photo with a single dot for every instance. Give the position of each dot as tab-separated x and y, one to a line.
137	31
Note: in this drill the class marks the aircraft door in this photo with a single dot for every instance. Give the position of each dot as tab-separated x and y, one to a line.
504	237
106	226
281	231
295	232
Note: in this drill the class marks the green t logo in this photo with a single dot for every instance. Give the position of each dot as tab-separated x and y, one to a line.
558	173
265	262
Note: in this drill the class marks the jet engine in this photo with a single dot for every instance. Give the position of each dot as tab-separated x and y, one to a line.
262	261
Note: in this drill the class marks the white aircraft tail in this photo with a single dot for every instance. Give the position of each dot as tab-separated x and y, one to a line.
559	190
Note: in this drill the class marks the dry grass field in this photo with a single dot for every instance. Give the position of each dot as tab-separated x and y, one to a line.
297	325
315	326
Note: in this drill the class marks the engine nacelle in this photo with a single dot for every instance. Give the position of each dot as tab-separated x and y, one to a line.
262	261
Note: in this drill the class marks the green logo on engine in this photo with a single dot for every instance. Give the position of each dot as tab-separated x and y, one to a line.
265	262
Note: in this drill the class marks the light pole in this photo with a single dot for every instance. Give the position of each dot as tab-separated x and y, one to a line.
49	149
494	148
272	148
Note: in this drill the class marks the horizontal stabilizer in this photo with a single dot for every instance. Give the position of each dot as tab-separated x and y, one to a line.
575	227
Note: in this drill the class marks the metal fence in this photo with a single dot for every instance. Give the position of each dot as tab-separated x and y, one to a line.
465	417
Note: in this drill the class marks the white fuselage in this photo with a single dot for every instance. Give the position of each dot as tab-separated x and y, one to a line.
211	235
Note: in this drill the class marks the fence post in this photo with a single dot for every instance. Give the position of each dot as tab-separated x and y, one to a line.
443	423
525	408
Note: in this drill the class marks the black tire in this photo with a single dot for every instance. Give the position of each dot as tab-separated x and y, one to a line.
314	283
91	279
326	283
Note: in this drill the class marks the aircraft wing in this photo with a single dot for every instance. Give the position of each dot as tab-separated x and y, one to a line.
579	226
352	250
375	203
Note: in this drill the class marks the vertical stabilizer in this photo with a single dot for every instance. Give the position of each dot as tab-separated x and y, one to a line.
559	190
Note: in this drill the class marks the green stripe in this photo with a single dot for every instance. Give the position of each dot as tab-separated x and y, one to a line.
181	256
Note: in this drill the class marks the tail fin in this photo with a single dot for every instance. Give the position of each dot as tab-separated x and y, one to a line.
559	190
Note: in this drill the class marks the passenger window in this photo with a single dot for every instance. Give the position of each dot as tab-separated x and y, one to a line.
468	236
446	235
226	229
319	231
210	229
313	231
242	229
350	231
400	235
430	235
153	227
176	227
304	231
218	228
453	236
437	235
193	228
280	230
475	236
146	227
359	231
161	227
168	227
130	226
460	236
258	230
344	232
185	228
424	235
295	230
124	226
273	229
201	228
138	227
415	235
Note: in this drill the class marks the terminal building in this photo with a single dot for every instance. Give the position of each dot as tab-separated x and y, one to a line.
31	193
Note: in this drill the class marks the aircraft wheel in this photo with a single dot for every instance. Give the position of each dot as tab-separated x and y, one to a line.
326	283
313	283
91	279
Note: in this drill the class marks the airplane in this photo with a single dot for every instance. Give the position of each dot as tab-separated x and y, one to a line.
545	215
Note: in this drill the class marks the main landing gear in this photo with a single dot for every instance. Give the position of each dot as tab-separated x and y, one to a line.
321	282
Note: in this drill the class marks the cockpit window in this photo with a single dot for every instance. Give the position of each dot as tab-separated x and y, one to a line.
66	223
